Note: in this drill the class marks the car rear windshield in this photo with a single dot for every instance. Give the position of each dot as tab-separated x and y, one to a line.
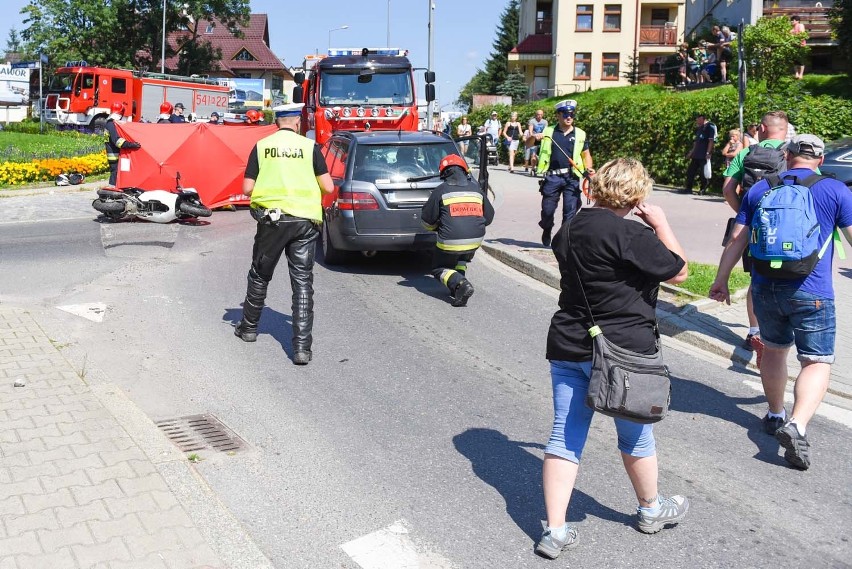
395	163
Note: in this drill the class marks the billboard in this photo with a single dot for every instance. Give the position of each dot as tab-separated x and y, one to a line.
14	86
244	93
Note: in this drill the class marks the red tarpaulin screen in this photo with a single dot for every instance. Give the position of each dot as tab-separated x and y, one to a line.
210	158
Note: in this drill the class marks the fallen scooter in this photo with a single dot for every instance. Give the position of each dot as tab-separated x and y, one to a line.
159	206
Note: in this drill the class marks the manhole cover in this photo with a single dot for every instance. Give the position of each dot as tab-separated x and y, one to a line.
198	432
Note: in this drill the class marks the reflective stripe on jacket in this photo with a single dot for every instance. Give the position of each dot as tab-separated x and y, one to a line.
547	143
112	142
286	178
459	214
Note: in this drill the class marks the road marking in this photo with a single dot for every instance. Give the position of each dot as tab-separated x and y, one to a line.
19	221
93	311
392	548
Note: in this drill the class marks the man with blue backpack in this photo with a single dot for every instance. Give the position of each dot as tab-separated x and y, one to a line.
790	224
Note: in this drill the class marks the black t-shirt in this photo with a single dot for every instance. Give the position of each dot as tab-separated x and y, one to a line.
622	265
704	134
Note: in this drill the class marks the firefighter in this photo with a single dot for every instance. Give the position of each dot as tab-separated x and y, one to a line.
254	117
459	211
114	143
285	177
165	113
214	118
177	113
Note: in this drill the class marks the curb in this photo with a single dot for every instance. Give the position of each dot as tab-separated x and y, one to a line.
672	324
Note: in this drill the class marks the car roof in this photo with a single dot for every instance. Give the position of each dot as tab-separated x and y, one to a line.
394	137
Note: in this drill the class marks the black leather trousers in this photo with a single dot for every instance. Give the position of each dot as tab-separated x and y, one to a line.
296	238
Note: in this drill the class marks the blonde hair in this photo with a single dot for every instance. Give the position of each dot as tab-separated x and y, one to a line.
620	183
734	131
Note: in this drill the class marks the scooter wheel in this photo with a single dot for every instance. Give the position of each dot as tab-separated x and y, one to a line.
193	210
108	206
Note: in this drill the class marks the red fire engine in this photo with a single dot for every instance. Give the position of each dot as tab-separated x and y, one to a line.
81	95
358	89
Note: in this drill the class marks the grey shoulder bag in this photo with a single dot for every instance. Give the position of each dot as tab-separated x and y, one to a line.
623	383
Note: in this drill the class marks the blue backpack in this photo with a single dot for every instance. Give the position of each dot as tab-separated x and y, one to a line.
784	239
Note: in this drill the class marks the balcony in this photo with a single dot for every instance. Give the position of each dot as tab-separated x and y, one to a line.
544	26
665	35
815	19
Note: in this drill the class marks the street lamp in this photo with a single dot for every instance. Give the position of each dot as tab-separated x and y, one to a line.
163	54
334	30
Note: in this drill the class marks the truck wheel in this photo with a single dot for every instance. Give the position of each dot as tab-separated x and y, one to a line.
330	253
193	210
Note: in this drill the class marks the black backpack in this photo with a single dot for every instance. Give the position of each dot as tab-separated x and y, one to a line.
762	162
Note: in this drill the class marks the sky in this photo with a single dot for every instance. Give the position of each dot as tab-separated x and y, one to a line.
463	31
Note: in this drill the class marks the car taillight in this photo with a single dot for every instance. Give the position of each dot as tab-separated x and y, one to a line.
357	200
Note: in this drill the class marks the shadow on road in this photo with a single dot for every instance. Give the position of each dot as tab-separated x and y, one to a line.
516	243
695	397
272	322
515	473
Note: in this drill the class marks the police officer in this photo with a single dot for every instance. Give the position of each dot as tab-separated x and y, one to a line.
177	114
459	211
165	113
285	177
114	143
561	178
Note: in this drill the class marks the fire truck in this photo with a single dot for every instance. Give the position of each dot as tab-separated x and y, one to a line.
81	95
358	89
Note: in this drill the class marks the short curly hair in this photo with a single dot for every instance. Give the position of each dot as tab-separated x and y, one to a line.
620	183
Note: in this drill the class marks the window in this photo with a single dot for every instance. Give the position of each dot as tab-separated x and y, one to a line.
582	65
659	16
609	67
612	17
244	55
585	13
544	18
119	85
210	28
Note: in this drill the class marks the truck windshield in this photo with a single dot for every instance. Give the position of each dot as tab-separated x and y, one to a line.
62	82
386	87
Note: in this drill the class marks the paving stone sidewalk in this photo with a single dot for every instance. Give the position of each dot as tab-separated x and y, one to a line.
77	490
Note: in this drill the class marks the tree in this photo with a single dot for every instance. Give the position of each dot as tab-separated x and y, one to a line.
125	33
477	84
841	24
514	86
13	42
771	49
631	70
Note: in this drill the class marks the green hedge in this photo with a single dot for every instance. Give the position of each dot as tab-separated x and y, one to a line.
656	124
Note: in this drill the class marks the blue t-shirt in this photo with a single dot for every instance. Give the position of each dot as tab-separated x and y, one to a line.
833	204
559	160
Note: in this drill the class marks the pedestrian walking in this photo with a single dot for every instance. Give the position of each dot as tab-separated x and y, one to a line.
464	129
177	114
766	158
627	261
493	127
285	177
700	154
512	134
458	210
165	113
536	125
798	306
562	168
115	143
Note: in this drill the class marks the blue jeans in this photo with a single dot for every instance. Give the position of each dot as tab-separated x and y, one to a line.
555	186
571	416
790	316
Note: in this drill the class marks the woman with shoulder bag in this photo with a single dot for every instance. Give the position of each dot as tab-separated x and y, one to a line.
512	134
611	270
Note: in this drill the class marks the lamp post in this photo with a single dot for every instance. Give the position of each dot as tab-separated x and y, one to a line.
334	30
163	53
388	38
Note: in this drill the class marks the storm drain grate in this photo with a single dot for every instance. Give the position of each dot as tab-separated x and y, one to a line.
199	432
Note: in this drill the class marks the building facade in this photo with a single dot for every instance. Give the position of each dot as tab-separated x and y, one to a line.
569	46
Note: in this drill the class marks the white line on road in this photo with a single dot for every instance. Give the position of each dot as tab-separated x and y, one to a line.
19	221
93	311
392	548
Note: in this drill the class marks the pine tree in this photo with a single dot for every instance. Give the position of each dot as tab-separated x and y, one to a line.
841	26
514	86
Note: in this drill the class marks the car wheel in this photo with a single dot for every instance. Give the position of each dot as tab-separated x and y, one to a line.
330	253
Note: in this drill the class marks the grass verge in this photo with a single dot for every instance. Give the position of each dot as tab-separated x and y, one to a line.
22	147
701	276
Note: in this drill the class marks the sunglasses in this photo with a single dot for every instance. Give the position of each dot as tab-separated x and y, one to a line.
567	114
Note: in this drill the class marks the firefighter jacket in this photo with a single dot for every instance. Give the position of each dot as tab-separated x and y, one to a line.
459	212
114	142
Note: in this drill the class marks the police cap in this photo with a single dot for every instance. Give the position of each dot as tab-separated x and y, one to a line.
290	110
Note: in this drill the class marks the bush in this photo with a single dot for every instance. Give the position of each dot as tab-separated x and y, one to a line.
656	125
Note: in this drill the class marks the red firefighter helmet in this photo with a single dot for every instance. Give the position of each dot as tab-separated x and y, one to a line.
452	160
117	108
166	108
253	116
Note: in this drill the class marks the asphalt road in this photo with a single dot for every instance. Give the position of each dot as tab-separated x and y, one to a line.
412	411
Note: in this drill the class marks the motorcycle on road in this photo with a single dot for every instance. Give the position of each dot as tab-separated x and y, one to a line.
159	206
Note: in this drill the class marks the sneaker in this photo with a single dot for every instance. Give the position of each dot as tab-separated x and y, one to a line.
545	237
772	424
747	342
301	358
242	332
463	292
551	547
757	346
796	446
672	510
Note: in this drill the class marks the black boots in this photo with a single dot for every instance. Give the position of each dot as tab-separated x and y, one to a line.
463	291
246	330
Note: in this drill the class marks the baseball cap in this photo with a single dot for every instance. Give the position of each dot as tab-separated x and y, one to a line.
493	113
806	145
179	106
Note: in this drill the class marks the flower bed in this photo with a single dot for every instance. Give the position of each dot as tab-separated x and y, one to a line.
17	173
